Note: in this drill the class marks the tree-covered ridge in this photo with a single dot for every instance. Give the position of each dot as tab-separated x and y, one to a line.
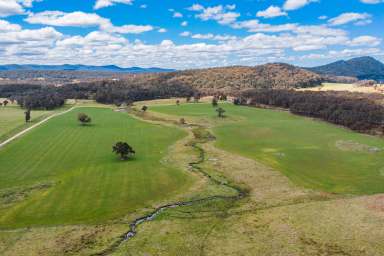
351	110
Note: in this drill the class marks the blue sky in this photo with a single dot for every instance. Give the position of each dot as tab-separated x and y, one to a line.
189	33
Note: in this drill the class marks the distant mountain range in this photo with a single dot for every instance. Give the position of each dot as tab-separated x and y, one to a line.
67	67
361	68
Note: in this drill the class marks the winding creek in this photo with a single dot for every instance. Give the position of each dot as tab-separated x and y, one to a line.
193	166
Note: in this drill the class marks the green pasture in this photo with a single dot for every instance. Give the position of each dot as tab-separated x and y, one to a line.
65	173
312	153
12	119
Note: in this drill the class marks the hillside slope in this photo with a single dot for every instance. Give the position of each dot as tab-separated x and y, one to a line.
232	79
362	68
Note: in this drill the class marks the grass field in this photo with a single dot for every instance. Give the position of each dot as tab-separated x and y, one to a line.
12	119
65	173
311	153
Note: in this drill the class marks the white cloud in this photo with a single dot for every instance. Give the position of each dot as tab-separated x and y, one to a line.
108	46
357	18
365	41
106	3
372	1
221	14
185	33
211	36
28	3
10	7
291	5
62	19
271	12
177	15
81	19
143	6
162	30
5	26
184	23
196	8
345	53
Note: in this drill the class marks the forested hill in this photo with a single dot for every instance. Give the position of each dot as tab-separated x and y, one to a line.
361	68
134	87
231	79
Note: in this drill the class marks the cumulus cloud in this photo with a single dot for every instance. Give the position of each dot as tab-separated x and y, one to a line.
5	26
291	5
357	18
106	3
221	14
107	44
209	36
10	7
81	19
345	53
271	12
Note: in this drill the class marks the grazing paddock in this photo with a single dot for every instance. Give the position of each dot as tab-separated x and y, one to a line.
311	153
64	173
12	119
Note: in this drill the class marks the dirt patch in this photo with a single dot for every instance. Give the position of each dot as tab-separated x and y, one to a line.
348	145
377	204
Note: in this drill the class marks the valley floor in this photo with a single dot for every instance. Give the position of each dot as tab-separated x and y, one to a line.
276	216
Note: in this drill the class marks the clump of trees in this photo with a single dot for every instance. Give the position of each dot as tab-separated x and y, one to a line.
84	119
196	98
144	108
215	102
41	100
347	109
124	150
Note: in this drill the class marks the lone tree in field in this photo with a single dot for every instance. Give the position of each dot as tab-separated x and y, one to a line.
196	98
223	97
84	118
188	99
220	112
178	102
124	150
214	102
5	103
237	101
27	115
144	108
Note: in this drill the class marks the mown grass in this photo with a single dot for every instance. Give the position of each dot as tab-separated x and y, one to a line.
12	120
303	149
90	183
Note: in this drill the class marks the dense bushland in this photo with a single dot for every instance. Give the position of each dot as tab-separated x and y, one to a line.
41	100
352	110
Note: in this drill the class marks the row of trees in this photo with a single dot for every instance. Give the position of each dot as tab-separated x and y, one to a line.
350	110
